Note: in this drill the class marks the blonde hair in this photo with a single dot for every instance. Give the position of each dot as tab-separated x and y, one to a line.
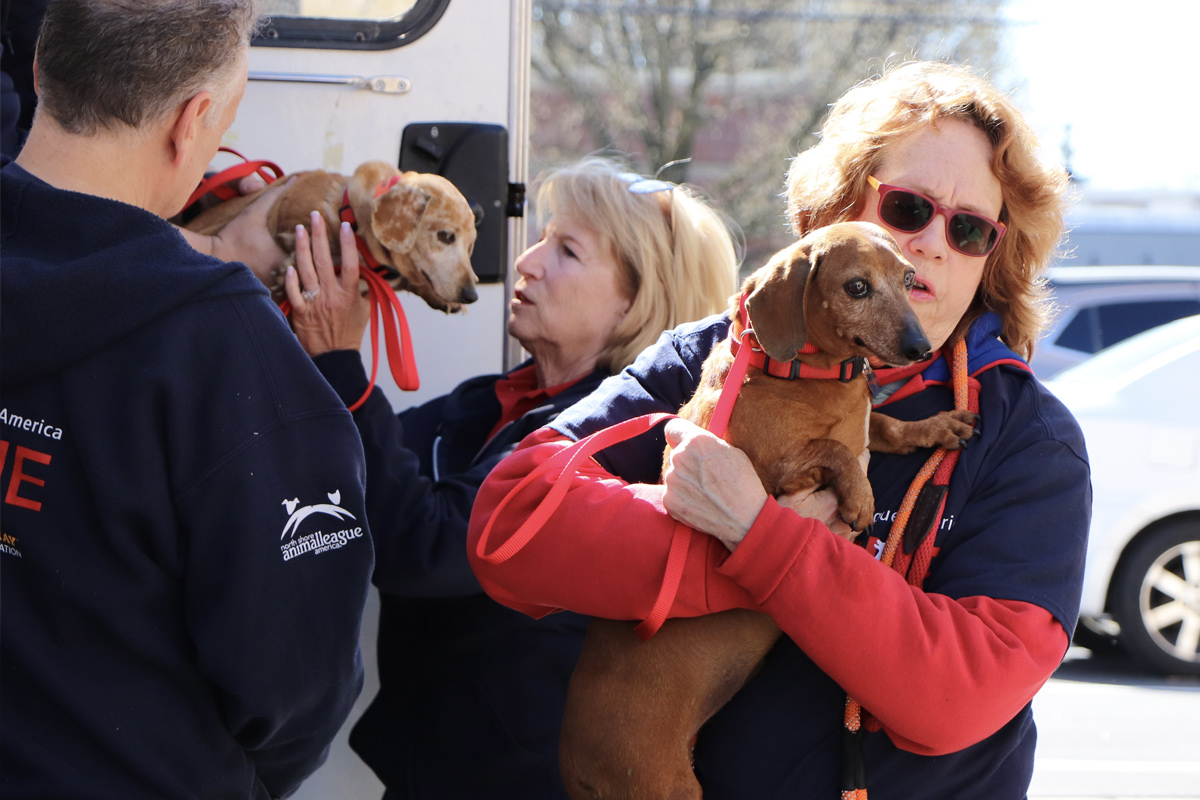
675	252
828	182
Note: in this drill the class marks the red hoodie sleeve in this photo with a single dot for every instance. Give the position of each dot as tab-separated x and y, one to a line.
939	674
602	553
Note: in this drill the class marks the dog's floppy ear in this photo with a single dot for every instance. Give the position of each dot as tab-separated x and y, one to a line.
776	303
396	214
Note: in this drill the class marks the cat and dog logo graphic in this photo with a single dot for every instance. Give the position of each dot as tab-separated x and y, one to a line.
320	541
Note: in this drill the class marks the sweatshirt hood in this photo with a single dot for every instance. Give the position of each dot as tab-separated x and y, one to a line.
78	272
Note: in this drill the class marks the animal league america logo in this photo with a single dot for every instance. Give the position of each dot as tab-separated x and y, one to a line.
319	541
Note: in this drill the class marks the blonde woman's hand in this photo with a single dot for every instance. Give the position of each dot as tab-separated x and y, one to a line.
328	310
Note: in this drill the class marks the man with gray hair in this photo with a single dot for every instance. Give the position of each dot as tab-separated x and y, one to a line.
184	556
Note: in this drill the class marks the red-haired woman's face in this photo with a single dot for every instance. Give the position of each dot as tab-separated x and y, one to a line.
950	163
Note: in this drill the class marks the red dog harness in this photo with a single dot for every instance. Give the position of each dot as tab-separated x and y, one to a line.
845	371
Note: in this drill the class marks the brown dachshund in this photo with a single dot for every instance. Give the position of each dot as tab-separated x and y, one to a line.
634	708
418	226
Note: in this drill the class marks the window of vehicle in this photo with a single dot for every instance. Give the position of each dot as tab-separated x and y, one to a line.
1097	327
342	24
1120	321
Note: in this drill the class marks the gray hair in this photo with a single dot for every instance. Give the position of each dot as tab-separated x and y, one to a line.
103	64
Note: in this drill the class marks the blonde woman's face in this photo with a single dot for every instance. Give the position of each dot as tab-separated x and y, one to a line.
950	163
567	298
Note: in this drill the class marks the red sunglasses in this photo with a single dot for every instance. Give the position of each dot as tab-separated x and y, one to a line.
909	212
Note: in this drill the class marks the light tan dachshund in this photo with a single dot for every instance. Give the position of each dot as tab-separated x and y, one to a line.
634	708
420	228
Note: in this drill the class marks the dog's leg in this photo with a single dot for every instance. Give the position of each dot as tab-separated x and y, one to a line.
949	429
824	462
634	708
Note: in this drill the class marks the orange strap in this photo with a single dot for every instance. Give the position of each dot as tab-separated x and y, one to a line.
939	467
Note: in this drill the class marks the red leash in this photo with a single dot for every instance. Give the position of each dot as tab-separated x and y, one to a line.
218	183
564	464
397	339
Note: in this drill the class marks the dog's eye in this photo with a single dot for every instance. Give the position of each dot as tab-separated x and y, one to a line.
446	237
857	287
910	279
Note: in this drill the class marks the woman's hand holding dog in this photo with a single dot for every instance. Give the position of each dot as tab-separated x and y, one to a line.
328	310
712	487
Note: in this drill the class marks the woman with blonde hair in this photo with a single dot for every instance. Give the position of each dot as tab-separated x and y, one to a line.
472	692
911	650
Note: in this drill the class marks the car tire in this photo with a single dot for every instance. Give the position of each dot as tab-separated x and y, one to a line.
1156	598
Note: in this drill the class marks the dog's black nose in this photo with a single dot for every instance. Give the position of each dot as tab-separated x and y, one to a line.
468	295
914	344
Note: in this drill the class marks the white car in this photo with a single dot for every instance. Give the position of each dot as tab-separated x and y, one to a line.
1137	403
1100	306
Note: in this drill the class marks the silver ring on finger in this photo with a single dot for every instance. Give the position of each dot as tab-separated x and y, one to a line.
310	294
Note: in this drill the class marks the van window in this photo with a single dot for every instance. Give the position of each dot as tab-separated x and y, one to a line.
343	24
378	10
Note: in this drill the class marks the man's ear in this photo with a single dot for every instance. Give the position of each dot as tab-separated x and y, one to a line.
186	126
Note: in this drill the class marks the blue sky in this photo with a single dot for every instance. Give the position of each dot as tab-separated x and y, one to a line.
1125	75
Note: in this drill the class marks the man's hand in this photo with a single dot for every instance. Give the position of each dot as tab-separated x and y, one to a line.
246	238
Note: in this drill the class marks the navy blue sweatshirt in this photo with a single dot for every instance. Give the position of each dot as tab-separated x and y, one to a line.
471	693
184	553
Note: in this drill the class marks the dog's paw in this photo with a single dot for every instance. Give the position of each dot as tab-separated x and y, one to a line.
958	428
858	512
949	429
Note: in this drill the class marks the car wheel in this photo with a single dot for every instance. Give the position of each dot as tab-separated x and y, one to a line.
1156	598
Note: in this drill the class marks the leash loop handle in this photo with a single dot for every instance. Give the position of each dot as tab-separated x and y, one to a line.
561	465
386	305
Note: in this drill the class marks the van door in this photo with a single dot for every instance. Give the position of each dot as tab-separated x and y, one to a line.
334	83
